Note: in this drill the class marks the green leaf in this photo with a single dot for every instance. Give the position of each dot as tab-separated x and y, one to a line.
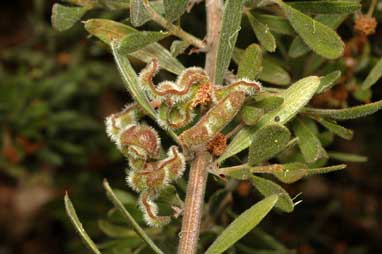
347	157
267	142
78	226
118	204
346	113
374	75
242	225
335	128
328	81
295	98
326	7
130	80
268	188
64	17
269	103
310	145
251	115
299	48
274	73
138	13
116	231
230	28
251	62
263	33
319	37
276	24
174	8
135	41
108	31
178	47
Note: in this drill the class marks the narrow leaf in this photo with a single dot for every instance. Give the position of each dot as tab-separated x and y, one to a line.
347	157
263	34
230	28
295	97
374	75
274	73
319	37
267	142
174	8
326	7
64	17
135	41
268	188
251	62
108	31
328	81
118	204
336	129
242	225
78	226
310	145
138	13
346	113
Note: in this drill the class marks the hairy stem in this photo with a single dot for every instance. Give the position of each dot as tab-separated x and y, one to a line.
175	30
214	9
193	207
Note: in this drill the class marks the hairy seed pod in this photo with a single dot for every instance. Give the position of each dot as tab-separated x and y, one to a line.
150	211
118	121
151	178
175	164
249	87
139	142
214	120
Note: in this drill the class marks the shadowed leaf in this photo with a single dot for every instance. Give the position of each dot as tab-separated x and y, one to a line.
347	157
251	62
64	17
374	75
328	81
263	33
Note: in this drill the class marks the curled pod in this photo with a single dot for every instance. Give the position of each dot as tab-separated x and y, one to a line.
249	87
150	211
118	121
174	164
214	120
139	142
176	116
151	178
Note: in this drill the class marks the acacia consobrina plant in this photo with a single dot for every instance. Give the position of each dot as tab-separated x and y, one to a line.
220	122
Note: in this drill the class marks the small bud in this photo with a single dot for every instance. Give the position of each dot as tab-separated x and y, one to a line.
365	24
150	212
139	141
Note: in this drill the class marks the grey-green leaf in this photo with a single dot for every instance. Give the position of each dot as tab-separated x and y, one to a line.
135	41
138	13
174	8
319	37
108	31
268	187
263	33
274	73
242	225
347	157
295	98
335	128
267	142
118	204
178	47
310	145
269	103
64	17
228	35
346	113
276	24
251	115
251	62
328	81
374	75
326	7
78	225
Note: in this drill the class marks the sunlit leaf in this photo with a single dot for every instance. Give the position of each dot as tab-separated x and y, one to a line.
135	41
310	145
374	75
346	113
319	37
295	97
174	8
78	226
108	31
263	33
347	157
251	62
64	17
242	225
268	188
267	142
228	35
178	47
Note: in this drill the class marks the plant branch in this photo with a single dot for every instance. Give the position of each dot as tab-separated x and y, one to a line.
214	9
193	207
175	30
